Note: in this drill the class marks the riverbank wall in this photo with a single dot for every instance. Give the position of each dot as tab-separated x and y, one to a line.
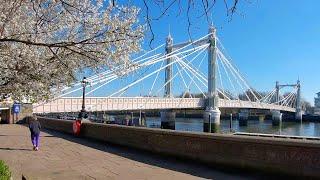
185	113
281	156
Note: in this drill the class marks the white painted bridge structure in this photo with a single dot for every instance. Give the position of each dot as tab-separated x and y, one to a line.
73	104
177	78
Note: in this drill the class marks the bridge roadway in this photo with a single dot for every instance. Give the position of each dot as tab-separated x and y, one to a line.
73	104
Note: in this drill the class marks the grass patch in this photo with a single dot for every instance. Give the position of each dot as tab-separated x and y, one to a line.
5	173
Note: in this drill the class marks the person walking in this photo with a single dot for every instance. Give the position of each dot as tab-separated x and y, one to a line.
35	127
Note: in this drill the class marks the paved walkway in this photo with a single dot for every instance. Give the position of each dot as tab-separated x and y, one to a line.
63	156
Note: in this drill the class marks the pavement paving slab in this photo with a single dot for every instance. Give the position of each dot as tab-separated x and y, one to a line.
63	156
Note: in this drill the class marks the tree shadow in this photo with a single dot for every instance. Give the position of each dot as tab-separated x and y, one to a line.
15	149
25	135
164	161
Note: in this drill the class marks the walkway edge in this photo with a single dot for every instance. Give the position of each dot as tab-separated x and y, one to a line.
284	156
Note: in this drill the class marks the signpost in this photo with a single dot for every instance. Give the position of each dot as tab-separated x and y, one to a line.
16	108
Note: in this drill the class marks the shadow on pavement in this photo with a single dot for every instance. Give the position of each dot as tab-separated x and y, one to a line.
163	161
25	135
15	149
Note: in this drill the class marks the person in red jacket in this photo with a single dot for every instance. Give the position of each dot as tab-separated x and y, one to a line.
35	127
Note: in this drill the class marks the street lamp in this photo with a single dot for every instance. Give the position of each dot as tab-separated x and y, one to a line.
83	113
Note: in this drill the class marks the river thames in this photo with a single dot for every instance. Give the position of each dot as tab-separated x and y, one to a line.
254	126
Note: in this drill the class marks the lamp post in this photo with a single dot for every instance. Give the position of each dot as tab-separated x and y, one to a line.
83	113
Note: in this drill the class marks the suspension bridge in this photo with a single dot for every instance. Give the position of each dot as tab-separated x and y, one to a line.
178	77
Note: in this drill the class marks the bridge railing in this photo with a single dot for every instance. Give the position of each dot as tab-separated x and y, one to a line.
72	104
254	105
119	103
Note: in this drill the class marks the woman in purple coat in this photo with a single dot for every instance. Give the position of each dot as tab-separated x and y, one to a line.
35	127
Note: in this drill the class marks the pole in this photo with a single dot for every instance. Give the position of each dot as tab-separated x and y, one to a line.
131	118
280	126
82	113
140	120
83	94
231	122
209	123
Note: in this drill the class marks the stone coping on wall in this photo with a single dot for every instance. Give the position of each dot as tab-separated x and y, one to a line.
226	137
287	156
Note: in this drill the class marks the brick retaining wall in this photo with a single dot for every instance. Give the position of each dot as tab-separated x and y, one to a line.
293	157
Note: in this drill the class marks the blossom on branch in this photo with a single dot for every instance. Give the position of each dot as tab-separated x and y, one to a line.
44	43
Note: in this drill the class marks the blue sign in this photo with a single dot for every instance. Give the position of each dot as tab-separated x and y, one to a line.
16	108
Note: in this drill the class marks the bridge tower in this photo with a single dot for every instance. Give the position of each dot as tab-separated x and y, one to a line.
168	70
212	112
167	115
276	114
298	103
277	92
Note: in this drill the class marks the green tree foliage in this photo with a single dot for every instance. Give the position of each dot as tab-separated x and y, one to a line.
5	173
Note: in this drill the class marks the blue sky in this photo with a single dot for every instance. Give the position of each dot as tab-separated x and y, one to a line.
268	40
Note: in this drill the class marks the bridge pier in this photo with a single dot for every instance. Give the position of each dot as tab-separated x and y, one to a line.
262	118
276	117
142	119
211	120
298	115
168	117
243	117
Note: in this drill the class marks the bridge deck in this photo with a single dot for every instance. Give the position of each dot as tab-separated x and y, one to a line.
145	103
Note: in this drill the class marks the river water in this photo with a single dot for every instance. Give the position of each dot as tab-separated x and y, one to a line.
254	126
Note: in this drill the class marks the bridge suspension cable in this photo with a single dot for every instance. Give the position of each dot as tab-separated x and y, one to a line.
139	80
177	59
236	72
268	97
189	76
223	60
